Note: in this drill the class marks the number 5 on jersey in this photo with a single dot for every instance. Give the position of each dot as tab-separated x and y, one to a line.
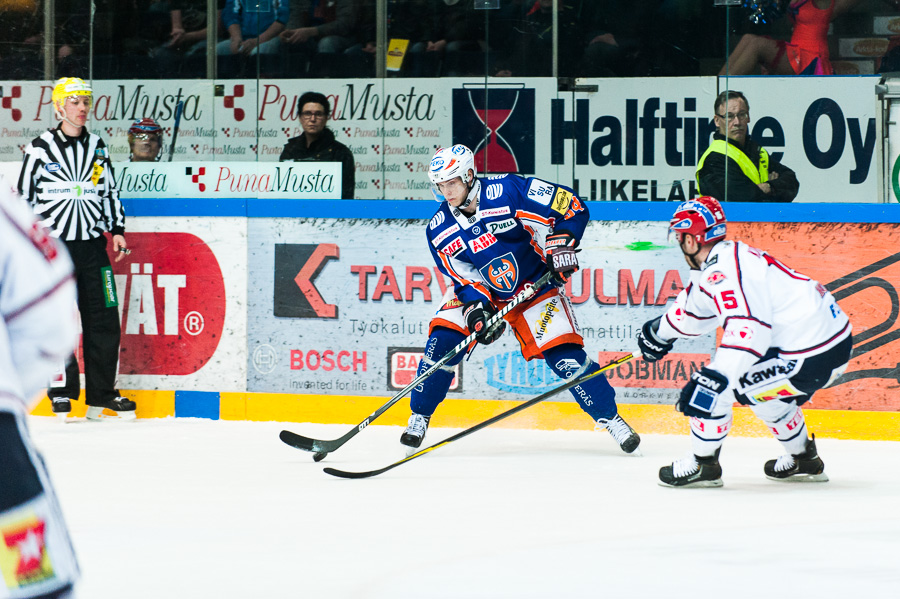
729	302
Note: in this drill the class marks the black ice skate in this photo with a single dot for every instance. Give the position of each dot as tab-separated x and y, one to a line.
620	430
806	467
415	430
122	408
692	471
61	406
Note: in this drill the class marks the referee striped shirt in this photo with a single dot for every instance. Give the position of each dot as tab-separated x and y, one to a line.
70	183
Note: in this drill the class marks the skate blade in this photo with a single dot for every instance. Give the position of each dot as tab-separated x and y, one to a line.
700	484
802	478
98	414
61	416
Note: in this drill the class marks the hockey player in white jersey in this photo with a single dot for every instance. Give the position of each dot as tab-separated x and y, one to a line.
492	238
38	329
784	338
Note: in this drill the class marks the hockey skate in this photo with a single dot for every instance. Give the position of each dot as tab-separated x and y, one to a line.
415	430
620	430
122	408
61	406
692	471
806	467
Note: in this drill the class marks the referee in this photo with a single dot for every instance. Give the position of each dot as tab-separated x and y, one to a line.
68	178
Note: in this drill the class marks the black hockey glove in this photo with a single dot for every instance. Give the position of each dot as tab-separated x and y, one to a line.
652	347
560	254
477	314
699	396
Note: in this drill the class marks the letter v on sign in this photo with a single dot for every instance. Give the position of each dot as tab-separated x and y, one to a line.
310	271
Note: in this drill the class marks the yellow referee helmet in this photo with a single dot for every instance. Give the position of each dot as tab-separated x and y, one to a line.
69	87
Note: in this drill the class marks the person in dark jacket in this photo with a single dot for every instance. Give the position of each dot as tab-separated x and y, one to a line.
317	142
752	175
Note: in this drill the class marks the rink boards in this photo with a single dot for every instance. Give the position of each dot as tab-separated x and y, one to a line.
318	311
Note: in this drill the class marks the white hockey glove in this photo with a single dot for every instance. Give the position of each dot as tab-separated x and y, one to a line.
699	396
652	347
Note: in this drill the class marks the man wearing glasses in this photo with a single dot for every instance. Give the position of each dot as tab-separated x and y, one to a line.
751	174
317	142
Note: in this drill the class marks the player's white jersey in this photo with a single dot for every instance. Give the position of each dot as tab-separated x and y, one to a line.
37	301
760	303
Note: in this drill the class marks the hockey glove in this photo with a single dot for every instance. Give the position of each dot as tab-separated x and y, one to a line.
699	396
477	314
560	254
652	347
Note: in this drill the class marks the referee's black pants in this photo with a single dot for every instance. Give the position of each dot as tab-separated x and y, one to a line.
98	305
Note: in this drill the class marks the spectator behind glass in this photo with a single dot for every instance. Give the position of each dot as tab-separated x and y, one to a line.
253	28
525	47
457	34
189	23
317	142
615	34
145	138
806	53
733	158
323	26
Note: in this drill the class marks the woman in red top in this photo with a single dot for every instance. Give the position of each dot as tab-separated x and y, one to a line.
809	43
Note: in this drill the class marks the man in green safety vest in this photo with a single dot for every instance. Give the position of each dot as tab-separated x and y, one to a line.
736	161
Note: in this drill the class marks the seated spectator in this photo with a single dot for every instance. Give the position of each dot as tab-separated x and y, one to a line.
189	24
525	47
806	53
320	26
317	142
145	138
614	32
253	29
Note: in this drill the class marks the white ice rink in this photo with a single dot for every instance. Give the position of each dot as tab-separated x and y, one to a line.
188	508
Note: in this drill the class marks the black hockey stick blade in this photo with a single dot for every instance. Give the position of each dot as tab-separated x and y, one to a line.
525	405
321	447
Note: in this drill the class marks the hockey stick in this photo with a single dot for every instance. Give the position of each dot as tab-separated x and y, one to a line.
179	108
323	448
522	406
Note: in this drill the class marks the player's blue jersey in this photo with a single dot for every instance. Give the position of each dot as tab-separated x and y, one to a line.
500	248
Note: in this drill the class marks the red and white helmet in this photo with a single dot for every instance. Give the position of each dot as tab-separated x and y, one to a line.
449	163
701	217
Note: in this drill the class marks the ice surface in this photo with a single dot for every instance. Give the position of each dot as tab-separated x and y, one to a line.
189	508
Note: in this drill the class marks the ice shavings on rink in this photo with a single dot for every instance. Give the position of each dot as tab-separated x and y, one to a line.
190	508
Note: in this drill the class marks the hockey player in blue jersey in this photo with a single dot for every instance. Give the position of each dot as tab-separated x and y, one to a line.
492	238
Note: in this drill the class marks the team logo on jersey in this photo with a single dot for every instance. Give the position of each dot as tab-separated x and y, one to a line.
493	191
476	230
437	220
494	212
716	277
454	247
561	201
540	191
445	234
502	225
52	167
740	334
508	112
23	553
482	243
501	273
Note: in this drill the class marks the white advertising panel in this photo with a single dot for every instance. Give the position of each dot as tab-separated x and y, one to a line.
634	139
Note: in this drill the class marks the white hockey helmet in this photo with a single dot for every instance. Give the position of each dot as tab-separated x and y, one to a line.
449	163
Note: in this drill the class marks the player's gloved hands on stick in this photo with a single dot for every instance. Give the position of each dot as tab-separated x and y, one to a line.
699	396
477	314
652	347
560	253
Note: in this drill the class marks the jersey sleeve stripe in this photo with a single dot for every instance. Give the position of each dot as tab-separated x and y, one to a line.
730	318
836	337
744	349
37	300
671	324
737	265
525	215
